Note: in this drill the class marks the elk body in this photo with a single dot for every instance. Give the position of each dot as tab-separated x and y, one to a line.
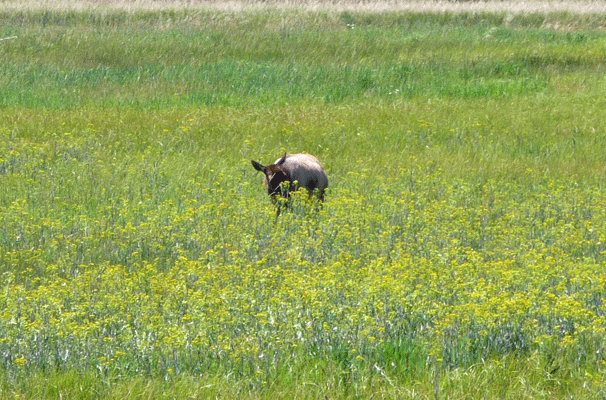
304	169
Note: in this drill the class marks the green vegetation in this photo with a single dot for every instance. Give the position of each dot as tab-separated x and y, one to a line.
459	253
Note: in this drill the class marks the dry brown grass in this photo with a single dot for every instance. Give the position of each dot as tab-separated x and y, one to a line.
509	6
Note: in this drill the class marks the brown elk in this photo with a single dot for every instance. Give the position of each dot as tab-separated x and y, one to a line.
300	170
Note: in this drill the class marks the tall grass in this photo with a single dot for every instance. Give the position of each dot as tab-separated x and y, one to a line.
459	252
418	6
67	59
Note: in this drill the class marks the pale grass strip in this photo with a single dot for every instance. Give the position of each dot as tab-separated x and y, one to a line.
508	6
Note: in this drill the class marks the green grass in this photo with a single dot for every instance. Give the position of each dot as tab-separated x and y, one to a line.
459	253
268	58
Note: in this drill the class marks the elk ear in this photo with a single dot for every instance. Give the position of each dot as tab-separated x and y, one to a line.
281	160
258	166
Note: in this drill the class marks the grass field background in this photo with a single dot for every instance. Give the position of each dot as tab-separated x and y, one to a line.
459	254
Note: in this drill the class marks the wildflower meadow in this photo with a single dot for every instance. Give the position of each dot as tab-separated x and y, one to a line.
460	251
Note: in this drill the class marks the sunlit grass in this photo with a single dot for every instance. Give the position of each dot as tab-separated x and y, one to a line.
132	258
459	251
276	58
418	6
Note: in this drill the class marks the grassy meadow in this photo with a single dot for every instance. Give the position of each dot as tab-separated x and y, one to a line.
460	252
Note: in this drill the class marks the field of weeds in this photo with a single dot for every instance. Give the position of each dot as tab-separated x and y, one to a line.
459	253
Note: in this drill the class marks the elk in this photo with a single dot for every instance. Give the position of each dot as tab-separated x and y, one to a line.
300	170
